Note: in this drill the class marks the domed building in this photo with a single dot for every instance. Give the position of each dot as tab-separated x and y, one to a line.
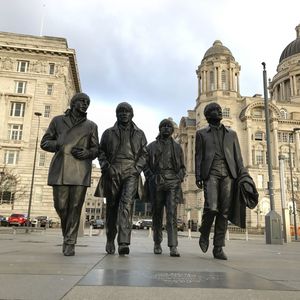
218	81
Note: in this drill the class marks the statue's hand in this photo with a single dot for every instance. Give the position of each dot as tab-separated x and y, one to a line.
80	153
199	184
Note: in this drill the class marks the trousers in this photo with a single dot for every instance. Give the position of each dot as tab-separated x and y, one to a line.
165	197
119	209
68	201
218	195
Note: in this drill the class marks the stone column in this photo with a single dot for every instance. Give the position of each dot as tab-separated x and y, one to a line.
238	82
219	78
297	149
249	133
189	155
294	85
204	82
275	136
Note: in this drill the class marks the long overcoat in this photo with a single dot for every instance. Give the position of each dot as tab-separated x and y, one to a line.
109	145
60	137
154	150
206	149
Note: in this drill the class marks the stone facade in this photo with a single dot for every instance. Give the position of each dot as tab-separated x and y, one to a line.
37	74
218	81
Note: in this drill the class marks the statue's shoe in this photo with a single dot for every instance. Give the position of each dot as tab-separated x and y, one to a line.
123	249
110	247
219	253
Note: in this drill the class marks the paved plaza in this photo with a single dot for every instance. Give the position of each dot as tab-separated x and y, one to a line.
33	267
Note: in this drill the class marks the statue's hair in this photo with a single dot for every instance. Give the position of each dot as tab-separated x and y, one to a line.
78	96
209	107
166	121
124	105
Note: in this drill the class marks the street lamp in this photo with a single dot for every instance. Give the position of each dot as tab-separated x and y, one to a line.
292	185
38	114
272	219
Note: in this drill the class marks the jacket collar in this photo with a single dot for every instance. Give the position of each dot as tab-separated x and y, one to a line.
208	128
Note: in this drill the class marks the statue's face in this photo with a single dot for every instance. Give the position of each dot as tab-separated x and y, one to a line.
215	115
81	105
166	130
124	115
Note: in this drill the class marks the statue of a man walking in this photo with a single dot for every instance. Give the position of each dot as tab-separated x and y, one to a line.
74	141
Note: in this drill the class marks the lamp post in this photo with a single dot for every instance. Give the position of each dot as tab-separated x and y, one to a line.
38	114
292	185
272	219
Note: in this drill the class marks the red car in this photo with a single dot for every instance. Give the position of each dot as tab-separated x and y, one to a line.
17	219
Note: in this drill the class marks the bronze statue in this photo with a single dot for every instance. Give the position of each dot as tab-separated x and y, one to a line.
164	173
122	156
74	140
218	163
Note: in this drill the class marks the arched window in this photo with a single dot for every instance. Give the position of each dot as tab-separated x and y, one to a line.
259	136
7	189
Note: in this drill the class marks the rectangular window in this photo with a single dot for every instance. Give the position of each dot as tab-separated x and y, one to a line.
11	157
42	159
226	112
284	137
22	66
15	132
20	87
259	157
47	110
260	181
279	136
51	68
17	109
49	89
211	80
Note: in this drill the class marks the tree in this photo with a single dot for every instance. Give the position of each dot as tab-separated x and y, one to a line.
10	186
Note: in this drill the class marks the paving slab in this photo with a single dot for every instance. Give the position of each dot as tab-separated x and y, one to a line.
33	267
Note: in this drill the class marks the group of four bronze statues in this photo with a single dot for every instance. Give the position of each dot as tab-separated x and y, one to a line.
123	154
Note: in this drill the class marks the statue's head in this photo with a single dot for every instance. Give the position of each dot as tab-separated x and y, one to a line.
80	103
213	113
124	113
166	128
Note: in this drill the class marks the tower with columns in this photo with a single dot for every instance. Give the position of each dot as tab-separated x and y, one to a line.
218	81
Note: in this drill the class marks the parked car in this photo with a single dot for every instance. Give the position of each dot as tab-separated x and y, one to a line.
44	221
34	222
97	224
3	221
146	224
17	220
137	224
180	225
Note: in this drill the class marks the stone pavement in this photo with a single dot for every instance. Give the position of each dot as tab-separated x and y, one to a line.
33	267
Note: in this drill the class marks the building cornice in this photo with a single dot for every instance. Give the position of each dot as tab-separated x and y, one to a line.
70	54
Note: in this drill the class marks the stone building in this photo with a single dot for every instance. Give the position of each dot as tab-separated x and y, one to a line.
37	74
218	81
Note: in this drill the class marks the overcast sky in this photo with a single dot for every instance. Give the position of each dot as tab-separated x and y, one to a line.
146	51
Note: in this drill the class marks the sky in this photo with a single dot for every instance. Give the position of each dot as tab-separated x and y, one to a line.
146	52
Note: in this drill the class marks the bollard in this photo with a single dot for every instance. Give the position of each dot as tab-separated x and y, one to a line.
189	233
227	235
246	234
150	232
91	230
